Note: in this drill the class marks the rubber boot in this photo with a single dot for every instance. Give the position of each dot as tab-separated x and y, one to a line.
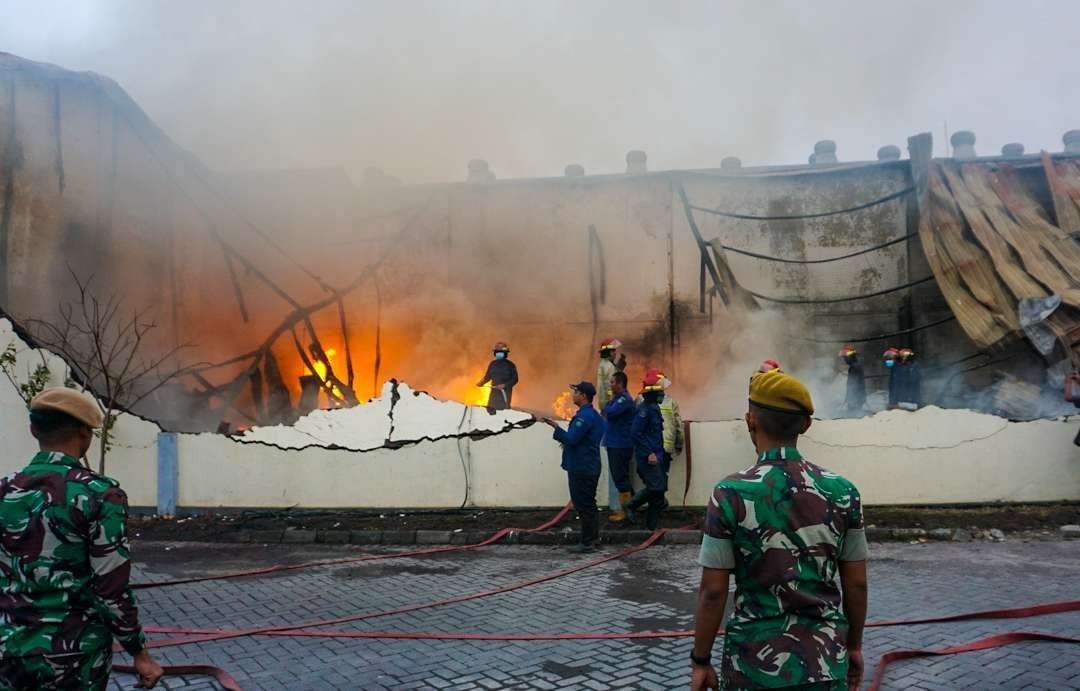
630	507
619	515
590	530
656	507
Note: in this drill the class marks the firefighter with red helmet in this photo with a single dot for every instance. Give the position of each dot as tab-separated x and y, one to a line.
890	358
503	376
647	432
855	400
769	365
909	387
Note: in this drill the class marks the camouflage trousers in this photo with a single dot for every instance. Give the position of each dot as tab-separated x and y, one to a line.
86	670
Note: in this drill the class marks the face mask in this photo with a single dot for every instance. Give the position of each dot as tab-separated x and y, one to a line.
500	355
890	363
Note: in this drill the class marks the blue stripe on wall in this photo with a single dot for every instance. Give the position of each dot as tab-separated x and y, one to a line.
167	473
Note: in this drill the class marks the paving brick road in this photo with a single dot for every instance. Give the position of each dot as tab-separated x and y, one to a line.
650	590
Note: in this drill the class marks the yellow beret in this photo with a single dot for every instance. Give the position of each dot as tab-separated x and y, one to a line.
78	405
776	390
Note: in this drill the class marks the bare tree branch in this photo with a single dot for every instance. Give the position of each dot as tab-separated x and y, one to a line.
105	349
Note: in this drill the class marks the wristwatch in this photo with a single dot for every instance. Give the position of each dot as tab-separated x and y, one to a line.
700	661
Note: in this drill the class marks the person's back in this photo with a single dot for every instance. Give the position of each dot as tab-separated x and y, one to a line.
53	514
64	591
787	520
792	534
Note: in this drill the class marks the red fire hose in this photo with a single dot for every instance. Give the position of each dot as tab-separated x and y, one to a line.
301	631
219	634
198	635
981	644
493	538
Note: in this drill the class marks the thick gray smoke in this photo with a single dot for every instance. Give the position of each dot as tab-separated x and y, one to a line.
419	88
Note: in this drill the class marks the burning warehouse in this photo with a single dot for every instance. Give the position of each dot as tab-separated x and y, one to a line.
291	291
225	325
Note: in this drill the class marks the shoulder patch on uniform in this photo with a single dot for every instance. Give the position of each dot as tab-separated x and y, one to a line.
577	422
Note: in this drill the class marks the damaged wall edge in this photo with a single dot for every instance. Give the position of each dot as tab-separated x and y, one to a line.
973	458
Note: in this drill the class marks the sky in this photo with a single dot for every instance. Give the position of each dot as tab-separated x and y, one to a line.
419	88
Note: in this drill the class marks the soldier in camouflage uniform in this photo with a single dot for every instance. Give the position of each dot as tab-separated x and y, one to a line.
787	528
64	562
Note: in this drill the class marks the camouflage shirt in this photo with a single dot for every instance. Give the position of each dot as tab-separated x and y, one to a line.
782	526
64	562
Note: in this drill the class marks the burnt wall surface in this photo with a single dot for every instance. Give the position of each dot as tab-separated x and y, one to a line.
416	282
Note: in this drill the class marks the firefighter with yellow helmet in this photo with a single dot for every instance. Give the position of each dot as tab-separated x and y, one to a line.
855	398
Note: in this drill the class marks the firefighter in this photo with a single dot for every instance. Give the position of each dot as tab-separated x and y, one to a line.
619	414
889	358
503	375
769	365
1072	395
673	426
855	401
581	461
910	384
609	365
647	432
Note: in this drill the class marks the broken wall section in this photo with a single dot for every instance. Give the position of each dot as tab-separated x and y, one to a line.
473	458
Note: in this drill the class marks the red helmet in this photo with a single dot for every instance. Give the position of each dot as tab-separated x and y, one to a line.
610	344
890	354
769	365
848	351
656	372
653	381
500	347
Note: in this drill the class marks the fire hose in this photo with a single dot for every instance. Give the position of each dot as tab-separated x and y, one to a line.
187	635
495	537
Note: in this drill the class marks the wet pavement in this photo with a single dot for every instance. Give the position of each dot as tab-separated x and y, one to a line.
654	589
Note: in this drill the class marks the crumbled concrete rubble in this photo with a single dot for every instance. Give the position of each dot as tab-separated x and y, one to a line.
398	416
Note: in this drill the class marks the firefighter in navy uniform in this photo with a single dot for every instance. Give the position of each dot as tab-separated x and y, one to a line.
855	398
619	414
503	375
647	433
910	380
581	461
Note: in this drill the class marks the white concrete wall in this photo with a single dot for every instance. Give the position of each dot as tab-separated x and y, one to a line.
932	456
929	457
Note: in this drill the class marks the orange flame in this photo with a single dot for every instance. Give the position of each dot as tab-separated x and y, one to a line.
563	405
465	390
321	371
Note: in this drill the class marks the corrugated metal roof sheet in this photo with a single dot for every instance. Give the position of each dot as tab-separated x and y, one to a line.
991	244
